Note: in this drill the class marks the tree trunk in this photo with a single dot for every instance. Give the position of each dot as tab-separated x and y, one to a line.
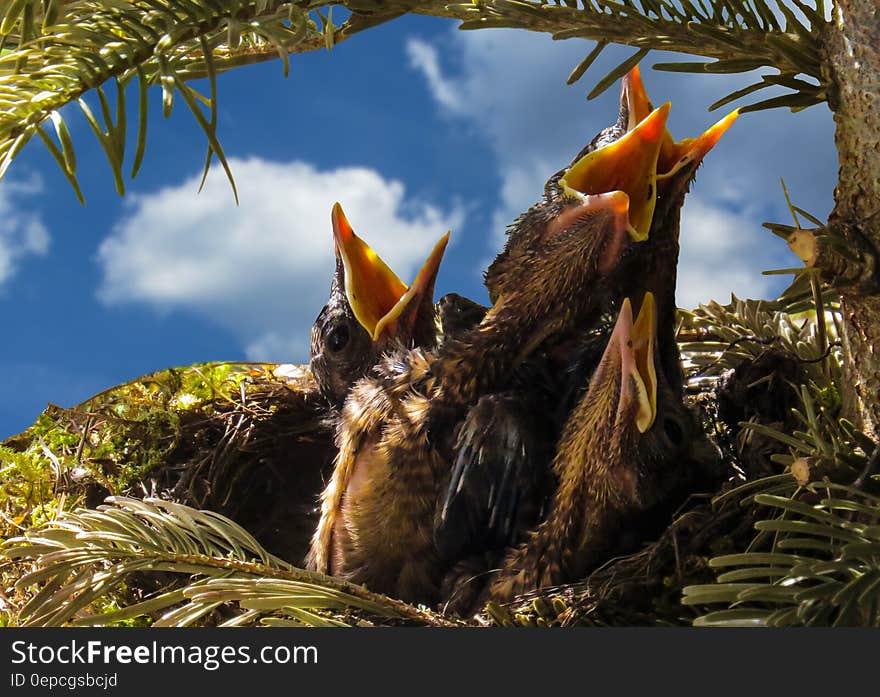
852	44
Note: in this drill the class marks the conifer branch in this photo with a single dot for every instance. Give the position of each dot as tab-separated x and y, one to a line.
53	53
85	556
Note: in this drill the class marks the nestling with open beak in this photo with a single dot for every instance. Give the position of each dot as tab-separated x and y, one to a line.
590	213
371	311
622	450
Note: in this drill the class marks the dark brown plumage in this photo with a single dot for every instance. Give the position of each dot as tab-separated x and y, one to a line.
455	315
378	511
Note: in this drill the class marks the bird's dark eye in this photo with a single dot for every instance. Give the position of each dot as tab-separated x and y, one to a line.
673	431
337	338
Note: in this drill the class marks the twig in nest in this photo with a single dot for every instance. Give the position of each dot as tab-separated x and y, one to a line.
870	469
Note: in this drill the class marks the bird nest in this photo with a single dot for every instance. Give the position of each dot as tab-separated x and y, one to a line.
253	443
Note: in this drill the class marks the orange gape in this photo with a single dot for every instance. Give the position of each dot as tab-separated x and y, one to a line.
370	310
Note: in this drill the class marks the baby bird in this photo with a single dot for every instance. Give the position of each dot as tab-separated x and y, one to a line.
370	310
621	451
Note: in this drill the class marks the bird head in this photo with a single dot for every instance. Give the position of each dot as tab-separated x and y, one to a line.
628	165
612	181
641	421
369	310
456	315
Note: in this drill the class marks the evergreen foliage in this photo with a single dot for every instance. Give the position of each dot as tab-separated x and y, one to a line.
54	53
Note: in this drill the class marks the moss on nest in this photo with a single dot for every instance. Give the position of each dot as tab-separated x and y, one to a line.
253	443
247	440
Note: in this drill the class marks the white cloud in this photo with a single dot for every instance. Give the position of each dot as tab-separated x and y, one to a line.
718	252
277	346
22	232
510	85
261	269
423	57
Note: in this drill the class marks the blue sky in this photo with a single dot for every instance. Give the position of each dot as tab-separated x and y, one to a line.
416	128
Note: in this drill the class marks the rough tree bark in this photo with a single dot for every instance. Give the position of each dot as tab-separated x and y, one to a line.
853	51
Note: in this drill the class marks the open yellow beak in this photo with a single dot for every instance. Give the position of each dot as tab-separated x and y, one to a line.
644	334
635	342
628	165
380	301
673	155
401	318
